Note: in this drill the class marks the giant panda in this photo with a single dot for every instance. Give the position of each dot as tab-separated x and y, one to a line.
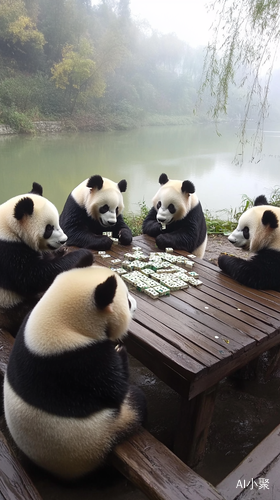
29	262
93	207
67	397
176	219
258	231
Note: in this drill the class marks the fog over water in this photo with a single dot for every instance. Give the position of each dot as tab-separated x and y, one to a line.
197	153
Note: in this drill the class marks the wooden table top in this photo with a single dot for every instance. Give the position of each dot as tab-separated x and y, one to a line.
194	338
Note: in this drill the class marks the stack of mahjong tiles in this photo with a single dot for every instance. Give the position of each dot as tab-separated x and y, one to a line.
156	274
110	235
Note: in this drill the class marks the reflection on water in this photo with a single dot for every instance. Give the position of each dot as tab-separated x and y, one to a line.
196	153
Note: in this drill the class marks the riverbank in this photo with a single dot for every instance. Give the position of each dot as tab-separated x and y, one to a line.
92	123
41	127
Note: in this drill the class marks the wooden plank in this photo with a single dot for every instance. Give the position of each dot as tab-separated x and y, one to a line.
14	482
213	377
230	286
193	426
180	336
263	462
158	472
227	314
6	344
188	327
165	373
248	306
208	319
163	352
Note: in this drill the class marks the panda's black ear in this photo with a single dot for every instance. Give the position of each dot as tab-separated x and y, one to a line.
187	187
25	206
36	189
105	292
163	179
122	186
260	200
269	219
95	181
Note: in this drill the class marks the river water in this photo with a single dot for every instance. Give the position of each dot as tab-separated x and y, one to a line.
198	153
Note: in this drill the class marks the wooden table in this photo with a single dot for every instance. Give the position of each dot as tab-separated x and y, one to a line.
194	338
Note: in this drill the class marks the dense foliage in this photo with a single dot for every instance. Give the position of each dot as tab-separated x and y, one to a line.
94	66
66	58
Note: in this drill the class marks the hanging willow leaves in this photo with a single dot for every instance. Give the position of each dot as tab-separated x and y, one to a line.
246	36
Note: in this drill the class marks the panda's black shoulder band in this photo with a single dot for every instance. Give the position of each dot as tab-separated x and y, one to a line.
95	181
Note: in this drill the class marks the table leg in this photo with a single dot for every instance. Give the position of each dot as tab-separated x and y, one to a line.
194	423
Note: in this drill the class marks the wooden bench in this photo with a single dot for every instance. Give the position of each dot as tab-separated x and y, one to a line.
14	482
142	459
248	478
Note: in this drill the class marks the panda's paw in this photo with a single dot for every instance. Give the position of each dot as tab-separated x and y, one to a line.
105	242
160	242
121	350
223	261
86	258
59	252
125	237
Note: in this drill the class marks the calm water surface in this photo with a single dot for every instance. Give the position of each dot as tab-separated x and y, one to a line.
196	153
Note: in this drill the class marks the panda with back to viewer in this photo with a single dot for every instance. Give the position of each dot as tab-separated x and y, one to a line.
67	396
258	231
93	207
31	254
176	219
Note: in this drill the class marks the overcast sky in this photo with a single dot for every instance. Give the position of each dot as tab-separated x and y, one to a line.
189	19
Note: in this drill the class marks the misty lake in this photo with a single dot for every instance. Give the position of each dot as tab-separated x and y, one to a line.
60	162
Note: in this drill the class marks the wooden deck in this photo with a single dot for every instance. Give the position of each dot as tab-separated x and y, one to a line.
194	338
257	476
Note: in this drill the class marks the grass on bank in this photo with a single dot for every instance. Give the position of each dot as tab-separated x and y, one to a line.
215	225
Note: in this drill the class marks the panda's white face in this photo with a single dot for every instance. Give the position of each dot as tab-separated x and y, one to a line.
103	203
32	219
257	228
53	237
108	214
171	203
240	237
41	229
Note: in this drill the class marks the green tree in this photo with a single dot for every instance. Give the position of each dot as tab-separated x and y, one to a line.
18	32
246	36
77	74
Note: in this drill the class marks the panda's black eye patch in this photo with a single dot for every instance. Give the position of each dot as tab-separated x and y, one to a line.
48	231
158	204
171	208
246	233
104	209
